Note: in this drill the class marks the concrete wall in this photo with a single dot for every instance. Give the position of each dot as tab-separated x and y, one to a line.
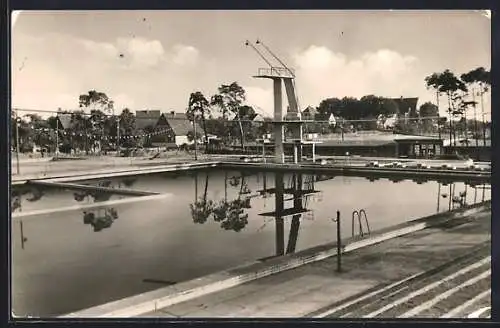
480	153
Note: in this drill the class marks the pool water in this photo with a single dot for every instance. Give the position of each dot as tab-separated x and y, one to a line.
62	265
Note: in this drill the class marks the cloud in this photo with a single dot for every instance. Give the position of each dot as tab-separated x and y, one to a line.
140	53
136	53
48	68
184	55
261	99
322	73
122	101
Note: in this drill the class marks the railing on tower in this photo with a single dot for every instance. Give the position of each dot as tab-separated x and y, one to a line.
277	71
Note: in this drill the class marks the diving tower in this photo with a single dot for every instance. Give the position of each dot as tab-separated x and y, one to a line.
282	75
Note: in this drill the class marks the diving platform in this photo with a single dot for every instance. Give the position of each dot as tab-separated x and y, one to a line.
275	73
289	191
286	212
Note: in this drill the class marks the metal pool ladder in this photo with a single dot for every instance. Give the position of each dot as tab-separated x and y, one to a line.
360	215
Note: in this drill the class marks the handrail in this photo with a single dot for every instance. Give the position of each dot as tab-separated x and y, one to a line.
277	71
359	221
359	215
362	211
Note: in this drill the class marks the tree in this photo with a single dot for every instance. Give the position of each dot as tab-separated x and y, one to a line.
370	106
198	107
388	107
429	113
202	208
126	122
78	131
25	131
229	99
329	106
96	100
447	83
246	114
99	105
480	78
349	109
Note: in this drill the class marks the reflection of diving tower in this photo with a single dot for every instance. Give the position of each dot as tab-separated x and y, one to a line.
292	119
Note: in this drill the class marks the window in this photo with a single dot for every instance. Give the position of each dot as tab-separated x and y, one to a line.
417	150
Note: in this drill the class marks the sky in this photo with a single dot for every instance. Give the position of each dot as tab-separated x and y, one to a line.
155	59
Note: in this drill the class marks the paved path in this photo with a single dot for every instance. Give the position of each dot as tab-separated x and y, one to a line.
317	290
42	170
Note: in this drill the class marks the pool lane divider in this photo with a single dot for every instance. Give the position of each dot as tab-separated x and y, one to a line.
157	299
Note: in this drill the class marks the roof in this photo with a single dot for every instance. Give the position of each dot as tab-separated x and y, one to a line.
145	118
407	105
358	143
310	111
258	117
180	127
179	123
65	120
175	115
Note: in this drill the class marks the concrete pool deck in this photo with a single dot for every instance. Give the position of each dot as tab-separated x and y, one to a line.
69	171
299	284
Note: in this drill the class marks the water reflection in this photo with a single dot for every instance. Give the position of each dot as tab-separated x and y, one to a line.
101	218
453	198
229	213
246	217
232	213
29	193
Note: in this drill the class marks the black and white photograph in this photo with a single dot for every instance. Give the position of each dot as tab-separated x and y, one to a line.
193	164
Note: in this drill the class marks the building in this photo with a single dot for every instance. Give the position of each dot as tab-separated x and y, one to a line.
418	146
309	114
332	120
146	120
407	107
64	121
146	126
177	127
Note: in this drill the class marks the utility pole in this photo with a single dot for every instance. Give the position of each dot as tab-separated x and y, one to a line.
117	135
482	112
195	139
438	123
475	117
57	136
465	126
17	144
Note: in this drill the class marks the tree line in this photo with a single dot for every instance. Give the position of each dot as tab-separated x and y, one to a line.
227	116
